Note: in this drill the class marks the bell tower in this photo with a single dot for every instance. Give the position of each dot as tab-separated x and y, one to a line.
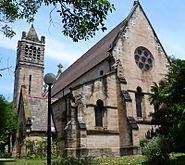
29	65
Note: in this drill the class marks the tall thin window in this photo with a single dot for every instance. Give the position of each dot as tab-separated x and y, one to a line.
139	98
29	87
99	113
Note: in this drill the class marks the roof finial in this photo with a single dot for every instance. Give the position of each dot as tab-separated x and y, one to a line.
60	66
136	2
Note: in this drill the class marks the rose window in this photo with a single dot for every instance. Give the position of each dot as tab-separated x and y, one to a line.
144	58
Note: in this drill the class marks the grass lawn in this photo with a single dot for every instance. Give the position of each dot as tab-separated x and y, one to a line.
23	162
176	159
129	160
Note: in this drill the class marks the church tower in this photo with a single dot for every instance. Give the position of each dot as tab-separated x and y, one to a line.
29	65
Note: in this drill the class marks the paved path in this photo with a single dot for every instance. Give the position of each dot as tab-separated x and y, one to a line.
6	159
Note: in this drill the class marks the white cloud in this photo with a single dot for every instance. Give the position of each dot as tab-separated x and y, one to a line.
61	51
54	49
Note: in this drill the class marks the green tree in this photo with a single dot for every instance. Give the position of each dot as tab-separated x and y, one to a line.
8	121
169	103
80	18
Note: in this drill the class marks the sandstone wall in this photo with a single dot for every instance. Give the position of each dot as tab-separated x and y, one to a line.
140	33
92	74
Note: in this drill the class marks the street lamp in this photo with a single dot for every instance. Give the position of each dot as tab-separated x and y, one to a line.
49	79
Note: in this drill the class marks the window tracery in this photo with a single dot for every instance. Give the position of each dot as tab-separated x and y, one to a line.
143	58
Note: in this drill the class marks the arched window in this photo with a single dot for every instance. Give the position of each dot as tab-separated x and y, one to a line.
139	98
99	113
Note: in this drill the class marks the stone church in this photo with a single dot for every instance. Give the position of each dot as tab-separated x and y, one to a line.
28	100
103	107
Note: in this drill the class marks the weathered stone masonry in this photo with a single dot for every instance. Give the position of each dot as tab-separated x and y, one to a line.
103	107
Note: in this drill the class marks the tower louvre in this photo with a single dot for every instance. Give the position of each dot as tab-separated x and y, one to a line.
29	64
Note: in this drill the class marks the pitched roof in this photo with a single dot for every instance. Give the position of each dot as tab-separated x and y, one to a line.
39	111
92	57
34	108
32	34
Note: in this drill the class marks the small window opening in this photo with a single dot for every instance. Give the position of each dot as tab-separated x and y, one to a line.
38	57
101	72
34	56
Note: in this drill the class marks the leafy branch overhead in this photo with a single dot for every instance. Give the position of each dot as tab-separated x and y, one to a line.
80	18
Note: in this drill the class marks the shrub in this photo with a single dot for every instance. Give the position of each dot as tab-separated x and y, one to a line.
5	155
144	142
37	149
156	150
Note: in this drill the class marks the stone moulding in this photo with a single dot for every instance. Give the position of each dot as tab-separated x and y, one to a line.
102	132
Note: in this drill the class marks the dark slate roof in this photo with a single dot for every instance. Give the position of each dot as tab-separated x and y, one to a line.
32	35
92	57
38	107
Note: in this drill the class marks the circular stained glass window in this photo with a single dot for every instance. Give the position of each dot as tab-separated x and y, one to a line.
143	58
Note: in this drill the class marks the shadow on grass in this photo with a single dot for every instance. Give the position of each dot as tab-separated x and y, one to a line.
145	163
174	160
178	160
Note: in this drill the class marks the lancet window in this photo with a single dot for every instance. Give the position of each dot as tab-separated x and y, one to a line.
139	100
99	110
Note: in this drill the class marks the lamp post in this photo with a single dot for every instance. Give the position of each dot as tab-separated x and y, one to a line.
49	79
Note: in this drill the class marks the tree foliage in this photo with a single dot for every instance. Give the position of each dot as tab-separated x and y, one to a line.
80	18
8	120
169	103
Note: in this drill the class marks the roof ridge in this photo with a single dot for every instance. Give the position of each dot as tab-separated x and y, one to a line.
125	21
93	46
120	24
99	52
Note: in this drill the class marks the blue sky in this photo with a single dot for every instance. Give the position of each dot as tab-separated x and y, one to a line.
167	18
